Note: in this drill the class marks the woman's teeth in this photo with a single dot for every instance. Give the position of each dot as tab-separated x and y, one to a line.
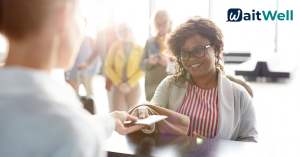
195	65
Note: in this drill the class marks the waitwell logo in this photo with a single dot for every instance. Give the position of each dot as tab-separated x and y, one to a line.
236	15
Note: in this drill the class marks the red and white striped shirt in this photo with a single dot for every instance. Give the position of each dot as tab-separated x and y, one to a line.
202	108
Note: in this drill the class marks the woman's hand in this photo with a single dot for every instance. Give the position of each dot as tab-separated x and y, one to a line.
197	135
163	61
82	66
142	113
153	60
124	87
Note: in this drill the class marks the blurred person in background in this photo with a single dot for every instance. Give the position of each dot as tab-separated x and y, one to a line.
105	38
86	49
39	116
154	63
217	107
122	67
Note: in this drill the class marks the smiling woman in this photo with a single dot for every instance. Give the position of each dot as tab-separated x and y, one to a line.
217	107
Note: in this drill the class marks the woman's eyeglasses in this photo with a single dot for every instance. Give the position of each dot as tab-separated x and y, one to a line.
197	53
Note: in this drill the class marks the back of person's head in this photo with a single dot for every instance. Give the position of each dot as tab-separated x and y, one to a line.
32	19
22	17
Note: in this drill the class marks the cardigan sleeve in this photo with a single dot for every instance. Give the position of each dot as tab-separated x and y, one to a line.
248	128
161	95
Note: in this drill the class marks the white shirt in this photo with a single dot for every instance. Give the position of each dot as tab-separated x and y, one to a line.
237	120
40	117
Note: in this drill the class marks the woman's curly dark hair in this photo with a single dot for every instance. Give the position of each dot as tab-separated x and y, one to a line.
176	39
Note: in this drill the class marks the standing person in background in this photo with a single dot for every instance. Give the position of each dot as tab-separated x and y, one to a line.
86	49
154	63
106	37
122	67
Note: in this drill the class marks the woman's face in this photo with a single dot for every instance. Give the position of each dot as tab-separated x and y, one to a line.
199	67
162	25
125	34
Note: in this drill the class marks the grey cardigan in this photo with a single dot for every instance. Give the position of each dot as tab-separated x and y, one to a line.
237	120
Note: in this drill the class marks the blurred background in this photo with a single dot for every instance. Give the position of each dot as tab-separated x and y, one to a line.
274	42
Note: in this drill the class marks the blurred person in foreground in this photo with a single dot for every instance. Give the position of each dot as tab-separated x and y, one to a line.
86	49
122	67
154	63
38	116
217	107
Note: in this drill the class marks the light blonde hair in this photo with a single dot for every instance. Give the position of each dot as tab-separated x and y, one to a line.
161	13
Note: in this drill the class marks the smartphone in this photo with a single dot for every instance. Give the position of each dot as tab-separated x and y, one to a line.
158	56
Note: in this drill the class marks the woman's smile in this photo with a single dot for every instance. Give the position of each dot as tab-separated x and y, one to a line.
195	66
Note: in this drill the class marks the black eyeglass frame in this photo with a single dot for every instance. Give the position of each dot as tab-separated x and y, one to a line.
197	49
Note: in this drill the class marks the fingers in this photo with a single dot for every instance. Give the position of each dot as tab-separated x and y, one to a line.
135	113
197	135
143	112
140	112
82	66
123	130
149	127
133	128
131	118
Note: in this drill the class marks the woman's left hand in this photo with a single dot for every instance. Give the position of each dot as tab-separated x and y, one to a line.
197	135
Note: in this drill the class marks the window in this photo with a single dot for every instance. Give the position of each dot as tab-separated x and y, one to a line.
136	13
3	48
288	32
181	10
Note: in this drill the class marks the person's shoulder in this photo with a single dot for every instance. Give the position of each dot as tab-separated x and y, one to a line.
45	121
235	86
115	44
238	90
47	113
168	78
139	47
152	39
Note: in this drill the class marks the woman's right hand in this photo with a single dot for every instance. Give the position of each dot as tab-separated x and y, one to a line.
82	66
141	112
153	60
